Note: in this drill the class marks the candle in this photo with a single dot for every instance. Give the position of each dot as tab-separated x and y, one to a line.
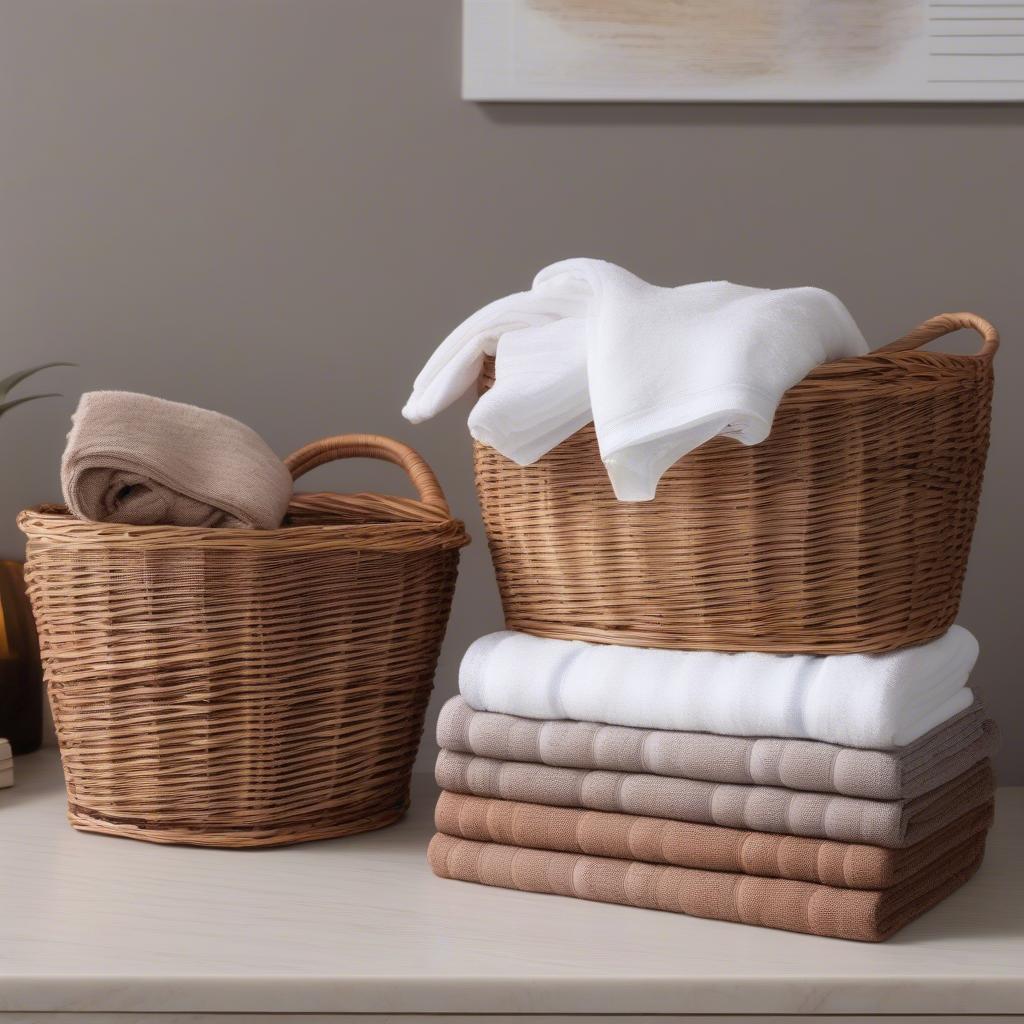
5	647
21	687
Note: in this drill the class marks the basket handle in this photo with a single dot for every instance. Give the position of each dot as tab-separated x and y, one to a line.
947	323
371	446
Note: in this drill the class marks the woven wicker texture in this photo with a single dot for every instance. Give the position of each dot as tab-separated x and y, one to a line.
228	687
847	530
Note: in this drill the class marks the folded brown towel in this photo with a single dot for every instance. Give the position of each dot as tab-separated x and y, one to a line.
688	845
898	774
890	823
867	915
144	461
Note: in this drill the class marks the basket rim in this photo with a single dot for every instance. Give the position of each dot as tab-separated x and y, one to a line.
852	373
424	528
858	366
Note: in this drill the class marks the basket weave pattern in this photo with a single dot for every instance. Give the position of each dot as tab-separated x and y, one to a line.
246	688
847	530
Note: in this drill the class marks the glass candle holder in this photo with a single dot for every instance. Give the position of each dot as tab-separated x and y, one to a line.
21	678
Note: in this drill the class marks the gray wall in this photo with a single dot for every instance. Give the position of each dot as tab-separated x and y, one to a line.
277	209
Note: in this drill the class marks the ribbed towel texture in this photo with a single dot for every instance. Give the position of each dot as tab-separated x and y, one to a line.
875	701
865	915
144	461
898	774
659	370
689	845
891	823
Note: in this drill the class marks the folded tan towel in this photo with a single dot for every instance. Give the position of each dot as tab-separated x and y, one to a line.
890	823
688	845
897	774
144	461
866	915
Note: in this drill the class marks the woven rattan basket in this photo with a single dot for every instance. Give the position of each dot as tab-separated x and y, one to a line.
228	687
847	530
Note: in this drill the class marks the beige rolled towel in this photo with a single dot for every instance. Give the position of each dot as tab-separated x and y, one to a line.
144	461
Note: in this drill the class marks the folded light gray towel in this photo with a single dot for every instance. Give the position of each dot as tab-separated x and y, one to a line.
144	461
897	774
894	824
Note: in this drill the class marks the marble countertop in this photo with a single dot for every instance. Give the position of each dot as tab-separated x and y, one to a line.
360	925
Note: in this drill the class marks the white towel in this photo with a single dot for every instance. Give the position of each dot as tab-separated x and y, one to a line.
876	701
659	370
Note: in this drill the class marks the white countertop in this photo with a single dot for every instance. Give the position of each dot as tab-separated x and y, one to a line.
360	925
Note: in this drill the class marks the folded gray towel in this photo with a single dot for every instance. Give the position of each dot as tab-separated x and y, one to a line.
897	774
145	461
894	824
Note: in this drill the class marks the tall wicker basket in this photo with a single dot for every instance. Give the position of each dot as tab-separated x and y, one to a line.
224	687
848	529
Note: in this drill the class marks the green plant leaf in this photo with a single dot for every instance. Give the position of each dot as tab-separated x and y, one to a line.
16	378
5	406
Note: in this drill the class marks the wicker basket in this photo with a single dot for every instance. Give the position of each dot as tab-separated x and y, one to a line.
236	688
848	529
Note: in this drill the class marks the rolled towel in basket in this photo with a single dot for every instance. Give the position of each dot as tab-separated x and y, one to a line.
659	370
145	461
876	701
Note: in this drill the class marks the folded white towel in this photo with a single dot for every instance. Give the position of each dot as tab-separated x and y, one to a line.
659	370
875	701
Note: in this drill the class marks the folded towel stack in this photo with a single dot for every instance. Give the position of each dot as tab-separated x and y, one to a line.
839	795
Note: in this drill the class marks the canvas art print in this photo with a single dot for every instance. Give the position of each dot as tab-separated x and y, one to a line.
743	50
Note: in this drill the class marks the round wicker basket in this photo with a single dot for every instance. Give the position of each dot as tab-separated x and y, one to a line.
847	530
227	687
